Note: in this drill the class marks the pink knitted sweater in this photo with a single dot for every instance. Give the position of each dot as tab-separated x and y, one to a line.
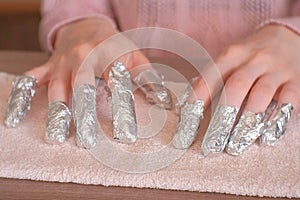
215	24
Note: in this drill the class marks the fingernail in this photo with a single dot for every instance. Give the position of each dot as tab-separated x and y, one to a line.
85	115
153	86
122	99
58	123
219	129
246	131
276	126
191	115
20	99
182	99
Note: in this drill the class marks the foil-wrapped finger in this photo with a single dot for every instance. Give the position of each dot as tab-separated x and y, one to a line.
182	99
246	131
153	86
191	115
122	100
20	99
219	129
85	115
276	126
58	123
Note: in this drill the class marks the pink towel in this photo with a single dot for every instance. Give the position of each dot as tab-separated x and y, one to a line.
151	162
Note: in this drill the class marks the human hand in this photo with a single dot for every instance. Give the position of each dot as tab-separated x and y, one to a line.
65	72
263	67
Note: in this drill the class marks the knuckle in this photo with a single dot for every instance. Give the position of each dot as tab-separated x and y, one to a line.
264	56
233	50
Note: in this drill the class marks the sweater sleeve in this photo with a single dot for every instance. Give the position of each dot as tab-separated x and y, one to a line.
57	13
292	22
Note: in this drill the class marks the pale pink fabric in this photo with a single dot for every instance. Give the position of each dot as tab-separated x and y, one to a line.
260	171
214	24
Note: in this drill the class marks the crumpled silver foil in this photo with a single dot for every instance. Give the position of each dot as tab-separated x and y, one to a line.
122	99
191	115
20	99
85	115
181	100
153	86
58	123
270	109
276	126
219	129
246	131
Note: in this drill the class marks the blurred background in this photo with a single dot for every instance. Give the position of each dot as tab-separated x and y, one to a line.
19	20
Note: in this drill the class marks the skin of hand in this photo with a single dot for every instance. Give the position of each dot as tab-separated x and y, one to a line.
265	65
72	45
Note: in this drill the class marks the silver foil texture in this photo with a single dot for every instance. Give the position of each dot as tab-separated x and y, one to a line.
191	115
20	99
247	130
277	124
122	99
153	86
58	123
219	129
182	99
85	115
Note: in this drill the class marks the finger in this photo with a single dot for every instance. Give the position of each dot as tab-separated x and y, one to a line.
204	88
126	60
58	122
235	91
190	117
84	104
147	79
290	93
238	85
247	129
263	92
124	118
212	78
19	100
41	73
150	81
122	99
277	124
22	93
59	87
137	62
59	115
249	126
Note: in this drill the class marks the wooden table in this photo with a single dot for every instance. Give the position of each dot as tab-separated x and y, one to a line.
17	62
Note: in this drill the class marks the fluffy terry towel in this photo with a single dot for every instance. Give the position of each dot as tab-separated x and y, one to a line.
151	161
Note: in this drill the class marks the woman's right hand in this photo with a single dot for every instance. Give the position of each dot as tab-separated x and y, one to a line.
64	71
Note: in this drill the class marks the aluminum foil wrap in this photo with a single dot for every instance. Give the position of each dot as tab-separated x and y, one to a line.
270	109
276	126
122	99
181	100
219	129
247	130
58	123
153	86
20	99
85	115
191	115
